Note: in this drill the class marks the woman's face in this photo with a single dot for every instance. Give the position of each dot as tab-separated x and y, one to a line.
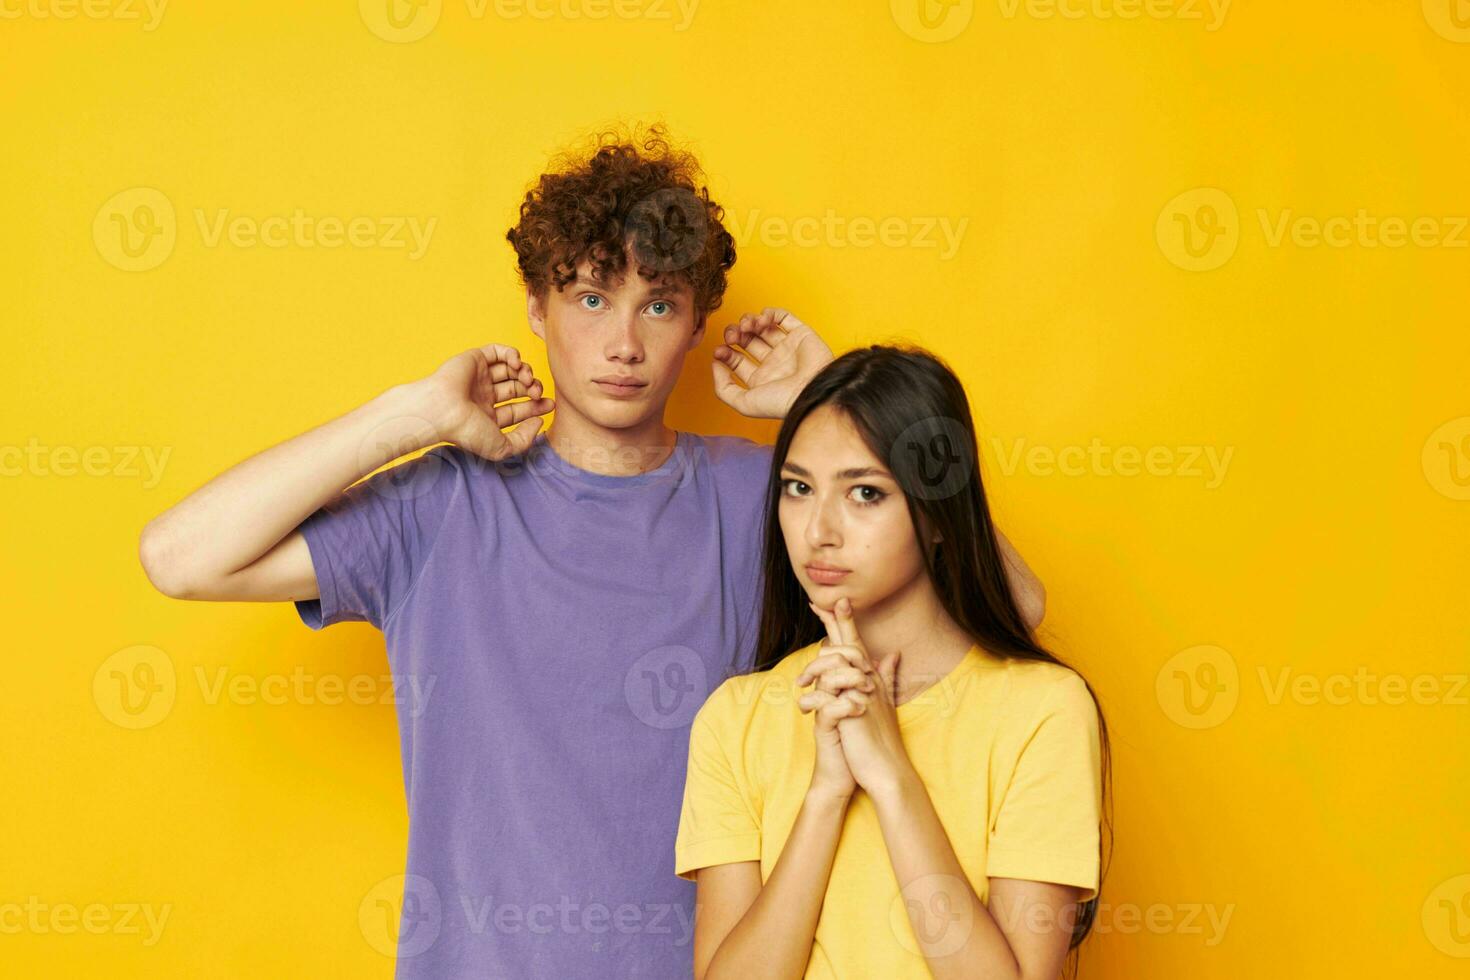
841	507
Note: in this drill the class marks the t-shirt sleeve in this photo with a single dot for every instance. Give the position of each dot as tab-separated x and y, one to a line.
1046	827
368	544
717	825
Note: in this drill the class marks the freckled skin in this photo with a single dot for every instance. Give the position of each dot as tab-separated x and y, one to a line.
624	327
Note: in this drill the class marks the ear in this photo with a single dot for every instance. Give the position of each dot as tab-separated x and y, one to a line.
698	334
536	313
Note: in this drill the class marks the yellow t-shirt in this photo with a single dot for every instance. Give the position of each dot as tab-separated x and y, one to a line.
1008	751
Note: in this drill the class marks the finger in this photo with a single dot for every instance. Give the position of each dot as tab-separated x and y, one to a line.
483	437
513	412
751	327
820	665
832	658
763	335
825	716
845	678
502	353
786	320
758	348
846	628
855	652
772	331
857	697
828	657
521	437
741	332
726	388
834	635
742	364
499	370
840	708
486	392
812	700
504	391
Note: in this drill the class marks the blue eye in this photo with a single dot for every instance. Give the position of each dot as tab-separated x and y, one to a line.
596	301
660	303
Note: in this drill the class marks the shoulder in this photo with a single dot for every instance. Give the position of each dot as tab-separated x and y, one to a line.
430	479
1039	689
464	468
724	449
739	468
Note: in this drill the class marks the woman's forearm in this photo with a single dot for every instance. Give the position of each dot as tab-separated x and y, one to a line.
968	944
774	937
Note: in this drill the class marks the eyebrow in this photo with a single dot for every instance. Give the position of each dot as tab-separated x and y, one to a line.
847	474
663	289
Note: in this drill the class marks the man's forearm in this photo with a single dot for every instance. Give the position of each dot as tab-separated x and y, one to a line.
241	514
1026	589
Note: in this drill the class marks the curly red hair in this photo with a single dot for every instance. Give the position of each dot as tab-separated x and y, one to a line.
635	193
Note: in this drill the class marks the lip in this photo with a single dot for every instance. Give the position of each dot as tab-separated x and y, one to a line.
620	386
826	574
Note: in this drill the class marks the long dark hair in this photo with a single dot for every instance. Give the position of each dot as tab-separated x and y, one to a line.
912	412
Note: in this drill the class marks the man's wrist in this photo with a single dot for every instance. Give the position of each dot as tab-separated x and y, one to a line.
421	403
395	423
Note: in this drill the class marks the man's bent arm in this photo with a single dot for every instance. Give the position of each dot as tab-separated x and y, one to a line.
235	537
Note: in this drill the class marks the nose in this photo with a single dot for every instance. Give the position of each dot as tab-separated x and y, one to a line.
823	526
625	344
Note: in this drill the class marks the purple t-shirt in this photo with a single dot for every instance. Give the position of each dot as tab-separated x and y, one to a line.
551	633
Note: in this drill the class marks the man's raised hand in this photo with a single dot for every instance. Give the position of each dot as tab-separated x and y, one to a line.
781	354
469	401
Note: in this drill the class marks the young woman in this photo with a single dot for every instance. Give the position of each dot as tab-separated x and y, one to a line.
908	785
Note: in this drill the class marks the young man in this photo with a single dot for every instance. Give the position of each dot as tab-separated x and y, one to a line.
567	598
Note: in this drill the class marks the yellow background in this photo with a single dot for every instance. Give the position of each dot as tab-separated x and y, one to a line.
1335	836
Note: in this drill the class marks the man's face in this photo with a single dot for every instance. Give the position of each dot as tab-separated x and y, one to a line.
630	328
857	521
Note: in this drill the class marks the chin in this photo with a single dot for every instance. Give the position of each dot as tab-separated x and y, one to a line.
627	418
826	596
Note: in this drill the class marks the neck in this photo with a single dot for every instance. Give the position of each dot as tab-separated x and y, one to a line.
914	621
611	452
